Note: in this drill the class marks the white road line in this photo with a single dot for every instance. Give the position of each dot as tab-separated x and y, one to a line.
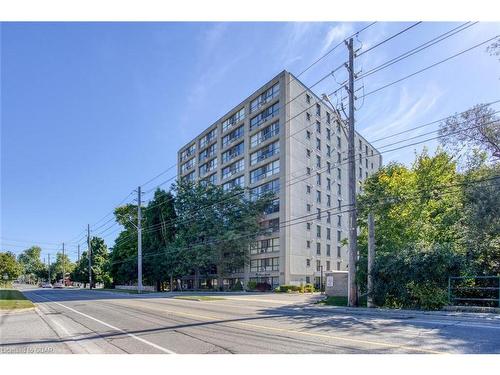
161	348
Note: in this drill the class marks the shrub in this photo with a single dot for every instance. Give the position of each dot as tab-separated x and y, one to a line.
237	287
427	295
277	290
251	285
290	288
308	288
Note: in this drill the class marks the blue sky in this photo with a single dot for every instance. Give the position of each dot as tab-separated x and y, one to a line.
91	110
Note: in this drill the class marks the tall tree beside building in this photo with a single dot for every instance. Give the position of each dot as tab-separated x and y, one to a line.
159	232
9	266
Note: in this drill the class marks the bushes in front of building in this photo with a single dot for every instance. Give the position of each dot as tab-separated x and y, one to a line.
237	287
308	288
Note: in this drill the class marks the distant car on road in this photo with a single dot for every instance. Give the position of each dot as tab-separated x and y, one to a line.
46	285
58	285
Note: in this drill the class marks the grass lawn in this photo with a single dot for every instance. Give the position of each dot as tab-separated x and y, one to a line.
11	299
199	298
340	301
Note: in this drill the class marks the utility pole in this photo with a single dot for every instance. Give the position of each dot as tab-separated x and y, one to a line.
351	173
139	241
78	252
89	255
63	264
49	268
371	258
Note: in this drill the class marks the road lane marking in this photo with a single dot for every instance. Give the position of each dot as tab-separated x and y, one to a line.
313	334
161	348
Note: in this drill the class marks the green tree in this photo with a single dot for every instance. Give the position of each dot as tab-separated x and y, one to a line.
33	267
9	266
122	263
475	130
159	232
62	263
418	213
215	228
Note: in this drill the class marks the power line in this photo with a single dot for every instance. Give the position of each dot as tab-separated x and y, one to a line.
389	38
429	67
323	213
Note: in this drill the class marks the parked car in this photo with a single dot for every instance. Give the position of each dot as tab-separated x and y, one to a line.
58	285
46	285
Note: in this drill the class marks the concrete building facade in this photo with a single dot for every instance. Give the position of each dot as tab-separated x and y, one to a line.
284	138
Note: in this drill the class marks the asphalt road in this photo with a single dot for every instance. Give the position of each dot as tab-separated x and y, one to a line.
82	321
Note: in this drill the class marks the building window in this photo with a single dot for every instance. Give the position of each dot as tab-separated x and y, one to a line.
318	265
328	133
318	127
308	189
339	173
328	151
328	117
208	152
329	217
308	134
339	142
339	189
339	235
232	169
318	110
328	265
233	152
233	120
318	179
308	170
272	207
209	166
318	213
339	157
318	248
328	184
207	138
318	161
338	266
308	99
265	134
264	98
308	226
265	152
264	116
328	200
339	220
237	182
188	152
318	196
360	145
328	233
270	245
265	171
233	136
189	177
308	207
308	153
188	165
328	167
270	226
360	172
339	252
318	231
308	116
308	244
269	187
339	202
265	264
308	262
318	144
328	250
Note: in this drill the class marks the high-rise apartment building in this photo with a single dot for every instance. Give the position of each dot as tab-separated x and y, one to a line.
284	138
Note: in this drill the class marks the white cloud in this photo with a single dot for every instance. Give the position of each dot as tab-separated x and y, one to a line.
336	34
